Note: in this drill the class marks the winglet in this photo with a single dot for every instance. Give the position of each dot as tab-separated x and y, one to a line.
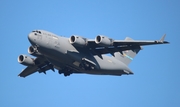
162	39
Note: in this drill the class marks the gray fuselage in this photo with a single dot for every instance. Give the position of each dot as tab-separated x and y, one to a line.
62	54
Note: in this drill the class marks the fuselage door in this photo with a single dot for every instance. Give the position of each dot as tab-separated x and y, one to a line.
48	39
55	41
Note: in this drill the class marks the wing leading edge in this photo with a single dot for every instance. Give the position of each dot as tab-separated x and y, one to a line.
122	45
28	70
41	65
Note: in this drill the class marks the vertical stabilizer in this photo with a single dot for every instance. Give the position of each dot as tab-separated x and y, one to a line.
128	55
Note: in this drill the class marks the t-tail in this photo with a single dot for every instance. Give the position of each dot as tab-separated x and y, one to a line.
127	56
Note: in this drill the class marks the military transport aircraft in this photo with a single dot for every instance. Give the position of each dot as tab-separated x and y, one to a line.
80	55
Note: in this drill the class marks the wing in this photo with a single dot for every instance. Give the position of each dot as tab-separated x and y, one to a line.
28	70
122	45
41	65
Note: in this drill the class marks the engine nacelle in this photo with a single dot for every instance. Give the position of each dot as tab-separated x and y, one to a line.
26	60
33	51
78	41
103	40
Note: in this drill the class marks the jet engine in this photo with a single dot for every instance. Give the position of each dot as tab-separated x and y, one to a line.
78	41
26	60
103	40
33	51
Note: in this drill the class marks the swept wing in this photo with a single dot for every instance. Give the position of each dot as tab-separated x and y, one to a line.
122	45
41	65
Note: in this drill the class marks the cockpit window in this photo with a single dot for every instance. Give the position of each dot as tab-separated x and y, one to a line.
37	31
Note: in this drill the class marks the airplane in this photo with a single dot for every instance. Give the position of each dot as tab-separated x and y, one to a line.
79	55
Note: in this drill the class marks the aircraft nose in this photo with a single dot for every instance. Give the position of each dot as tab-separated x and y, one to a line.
31	38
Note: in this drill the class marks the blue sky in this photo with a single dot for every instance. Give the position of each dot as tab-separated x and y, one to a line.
156	79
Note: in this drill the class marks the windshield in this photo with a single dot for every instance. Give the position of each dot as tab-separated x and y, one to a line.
37	31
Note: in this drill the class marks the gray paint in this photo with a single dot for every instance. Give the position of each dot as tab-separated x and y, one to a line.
80	55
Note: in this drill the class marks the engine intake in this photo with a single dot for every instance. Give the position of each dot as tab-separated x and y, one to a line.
103	40
78	41
33	51
26	60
